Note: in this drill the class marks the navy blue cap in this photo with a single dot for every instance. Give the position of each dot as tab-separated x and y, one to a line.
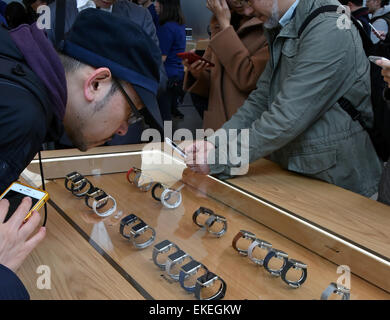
101	39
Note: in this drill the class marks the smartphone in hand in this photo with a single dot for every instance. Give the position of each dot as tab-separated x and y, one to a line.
192	57
16	192
374	59
176	147
376	32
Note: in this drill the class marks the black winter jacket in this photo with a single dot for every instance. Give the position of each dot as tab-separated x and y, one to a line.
26	116
26	122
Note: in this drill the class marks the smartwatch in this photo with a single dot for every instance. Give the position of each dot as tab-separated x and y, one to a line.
163	247
97	204
263	245
189	270
133	175
69	177
80	186
136	229
213	218
295	264
157	190
92	194
245	235
171	198
208	280
175	258
278	254
144	186
335	288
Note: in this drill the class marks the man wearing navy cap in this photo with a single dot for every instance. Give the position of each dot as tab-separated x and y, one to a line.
96	87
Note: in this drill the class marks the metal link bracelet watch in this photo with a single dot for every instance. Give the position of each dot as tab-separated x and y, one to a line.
137	228
175	258
213	218
160	248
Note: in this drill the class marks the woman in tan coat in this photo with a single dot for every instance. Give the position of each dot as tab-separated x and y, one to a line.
239	51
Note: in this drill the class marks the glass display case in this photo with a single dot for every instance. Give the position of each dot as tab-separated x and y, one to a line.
279	210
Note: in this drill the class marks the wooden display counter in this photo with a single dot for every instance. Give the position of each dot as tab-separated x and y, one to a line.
314	222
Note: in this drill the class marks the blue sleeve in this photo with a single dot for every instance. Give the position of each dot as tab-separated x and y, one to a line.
11	288
166	38
154	14
2	20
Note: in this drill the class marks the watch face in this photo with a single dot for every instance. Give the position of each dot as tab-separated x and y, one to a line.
129	219
163	245
208	279
206	210
191	266
94	191
79	179
101	197
72	175
139	227
177	255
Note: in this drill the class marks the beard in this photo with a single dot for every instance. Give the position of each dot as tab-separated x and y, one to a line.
75	135
273	20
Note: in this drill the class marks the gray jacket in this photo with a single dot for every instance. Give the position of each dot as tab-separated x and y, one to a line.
293	115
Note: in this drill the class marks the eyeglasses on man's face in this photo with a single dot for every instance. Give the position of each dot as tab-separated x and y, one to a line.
135	115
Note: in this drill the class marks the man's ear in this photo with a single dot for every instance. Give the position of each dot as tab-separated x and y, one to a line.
95	83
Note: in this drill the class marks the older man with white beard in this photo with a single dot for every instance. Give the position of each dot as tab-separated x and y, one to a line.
294	116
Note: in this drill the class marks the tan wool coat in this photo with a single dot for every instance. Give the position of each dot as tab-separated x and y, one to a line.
240	58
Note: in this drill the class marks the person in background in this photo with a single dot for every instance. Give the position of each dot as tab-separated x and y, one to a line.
294	116
384	185
15	14
3	5
151	7
239	50
172	37
32	8
380	18
359	12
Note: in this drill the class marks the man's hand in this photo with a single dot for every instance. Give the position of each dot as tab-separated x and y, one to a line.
197	155
385	65
15	244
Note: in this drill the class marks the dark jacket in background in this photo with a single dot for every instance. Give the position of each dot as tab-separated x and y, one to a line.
384	185
362	15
